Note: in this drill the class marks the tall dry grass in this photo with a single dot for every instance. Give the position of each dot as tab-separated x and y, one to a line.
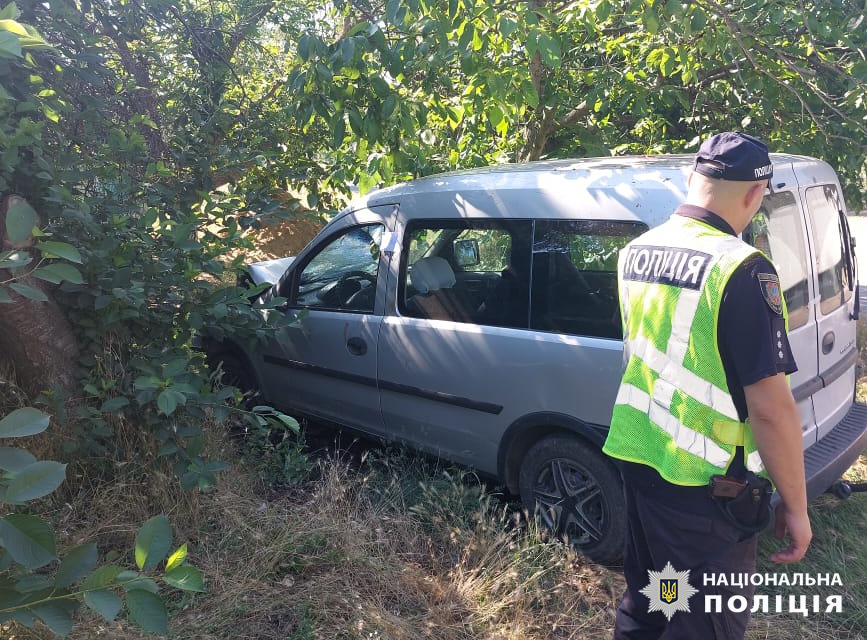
393	550
396	548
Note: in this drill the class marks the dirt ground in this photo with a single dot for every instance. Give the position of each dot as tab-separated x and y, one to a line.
286	238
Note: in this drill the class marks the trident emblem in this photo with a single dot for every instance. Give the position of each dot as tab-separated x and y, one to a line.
668	590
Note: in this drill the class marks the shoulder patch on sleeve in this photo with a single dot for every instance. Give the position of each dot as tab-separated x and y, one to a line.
770	286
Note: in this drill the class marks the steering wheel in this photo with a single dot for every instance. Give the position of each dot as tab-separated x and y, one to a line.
349	285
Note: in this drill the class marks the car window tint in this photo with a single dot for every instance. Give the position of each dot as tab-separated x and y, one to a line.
778	231
574	287
343	274
467	271
824	206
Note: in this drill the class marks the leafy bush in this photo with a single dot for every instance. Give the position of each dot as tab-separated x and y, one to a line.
272	448
38	585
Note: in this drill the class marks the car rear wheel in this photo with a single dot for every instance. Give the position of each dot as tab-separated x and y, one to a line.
576	494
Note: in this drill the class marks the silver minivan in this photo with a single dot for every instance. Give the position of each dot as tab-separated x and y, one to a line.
474	316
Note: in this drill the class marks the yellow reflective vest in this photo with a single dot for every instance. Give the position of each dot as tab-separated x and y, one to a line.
674	411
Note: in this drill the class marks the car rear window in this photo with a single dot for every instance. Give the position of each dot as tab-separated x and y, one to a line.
824	206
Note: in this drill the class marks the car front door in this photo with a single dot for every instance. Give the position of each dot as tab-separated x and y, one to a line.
324	363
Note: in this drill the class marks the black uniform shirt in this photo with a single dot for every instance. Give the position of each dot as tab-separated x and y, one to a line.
752	342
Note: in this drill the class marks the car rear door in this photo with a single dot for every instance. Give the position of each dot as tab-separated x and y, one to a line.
834	275
780	230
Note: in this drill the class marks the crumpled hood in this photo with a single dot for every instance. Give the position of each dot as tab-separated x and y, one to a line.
270	270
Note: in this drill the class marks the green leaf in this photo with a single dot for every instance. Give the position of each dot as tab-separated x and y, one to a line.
388	107
153	542
57	272
177	558
138	581
102	577
35	480
113	404
54	249
22	617
23	422
347	50
507	27
356	123
4	297
146	382
338	129
5	560
31	293
10	45
147	611
10	12
12	26
549	49
20	220
77	563
105	602
304	47
33	582
169	399
29	540
186	578
15	459
14	259
57	615
651	21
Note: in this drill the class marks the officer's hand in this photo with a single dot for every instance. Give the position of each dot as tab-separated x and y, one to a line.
797	525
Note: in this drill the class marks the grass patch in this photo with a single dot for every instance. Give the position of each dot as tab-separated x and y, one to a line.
393	547
839	546
398	548
388	545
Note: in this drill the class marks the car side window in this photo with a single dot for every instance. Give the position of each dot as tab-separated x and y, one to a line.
343	274
467	271
778	231
824	206
574	287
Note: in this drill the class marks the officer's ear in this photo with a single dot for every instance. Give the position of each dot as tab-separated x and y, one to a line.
754	195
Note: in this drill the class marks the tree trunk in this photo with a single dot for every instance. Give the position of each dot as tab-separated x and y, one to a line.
35	337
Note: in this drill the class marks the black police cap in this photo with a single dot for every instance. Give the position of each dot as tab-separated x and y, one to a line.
734	156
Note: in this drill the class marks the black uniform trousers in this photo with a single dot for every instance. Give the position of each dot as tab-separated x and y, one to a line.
683	526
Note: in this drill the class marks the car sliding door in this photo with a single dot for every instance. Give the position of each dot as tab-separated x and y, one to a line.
779	230
835	275
454	363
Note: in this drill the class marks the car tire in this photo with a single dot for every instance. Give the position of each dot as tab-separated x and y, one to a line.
236	372
577	494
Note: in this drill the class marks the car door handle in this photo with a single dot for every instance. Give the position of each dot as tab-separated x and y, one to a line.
357	346
828	342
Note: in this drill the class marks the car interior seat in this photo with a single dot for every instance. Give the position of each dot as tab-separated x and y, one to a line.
436	298
507	303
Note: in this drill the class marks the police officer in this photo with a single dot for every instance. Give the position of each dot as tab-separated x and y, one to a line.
704	411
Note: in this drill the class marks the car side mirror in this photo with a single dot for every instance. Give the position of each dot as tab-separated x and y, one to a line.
467	252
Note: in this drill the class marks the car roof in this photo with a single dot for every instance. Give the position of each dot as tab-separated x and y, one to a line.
640	188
